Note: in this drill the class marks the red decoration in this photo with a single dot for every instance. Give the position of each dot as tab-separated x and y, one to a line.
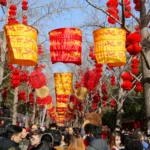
40	50
15	78
65	45
137	5
138	87
127	8
22	96
90	79
134	65
4	93
127	85
37	79
105	97
126	76
24	5
31	98
113	103
113	80
44	101
11	67
62	98
132	42
24	76
112	10
12	14
96	98
3	2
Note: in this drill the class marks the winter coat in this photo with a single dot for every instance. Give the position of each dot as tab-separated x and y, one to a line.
98	144
7	144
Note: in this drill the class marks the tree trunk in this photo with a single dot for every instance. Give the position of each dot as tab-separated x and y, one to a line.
14	116
120	102
34	110
2	57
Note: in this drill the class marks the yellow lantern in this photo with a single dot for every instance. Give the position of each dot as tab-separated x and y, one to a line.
42	92
109	46
22	44
61	105
63	83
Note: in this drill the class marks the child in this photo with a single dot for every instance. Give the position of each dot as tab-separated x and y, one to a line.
115	141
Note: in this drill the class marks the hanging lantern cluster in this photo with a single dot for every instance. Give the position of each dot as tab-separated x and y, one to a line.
24	76
113	103
113	10
3	2
127	78
113	80
40	50
99	69
137	4
95	101
25	19
4	93
11	67
134	65
138	87
132	42
105	96
15	78
22	95
104	88
31	98
12	15
25	5
127	8
91	53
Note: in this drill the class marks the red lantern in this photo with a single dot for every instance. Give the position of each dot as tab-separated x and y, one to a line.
113	103
4	93
44	101
3	2
127	85
22	96
37	79
126	76
138	87
24	5
65	45
15	78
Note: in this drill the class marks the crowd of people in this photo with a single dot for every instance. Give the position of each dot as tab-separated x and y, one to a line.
91	136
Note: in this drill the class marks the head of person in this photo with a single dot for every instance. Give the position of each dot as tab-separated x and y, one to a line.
92	130
105	129
48	138
35	137
118	128
57	137
70	130
53	126
23	133
34	127
138	134
76	143
115	139
14	133
133	144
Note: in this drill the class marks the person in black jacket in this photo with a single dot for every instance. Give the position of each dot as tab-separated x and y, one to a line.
10	138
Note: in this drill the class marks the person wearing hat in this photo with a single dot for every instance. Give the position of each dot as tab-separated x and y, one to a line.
92	127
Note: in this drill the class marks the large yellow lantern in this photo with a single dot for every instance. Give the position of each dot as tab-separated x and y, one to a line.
22	44
63	83
109	46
